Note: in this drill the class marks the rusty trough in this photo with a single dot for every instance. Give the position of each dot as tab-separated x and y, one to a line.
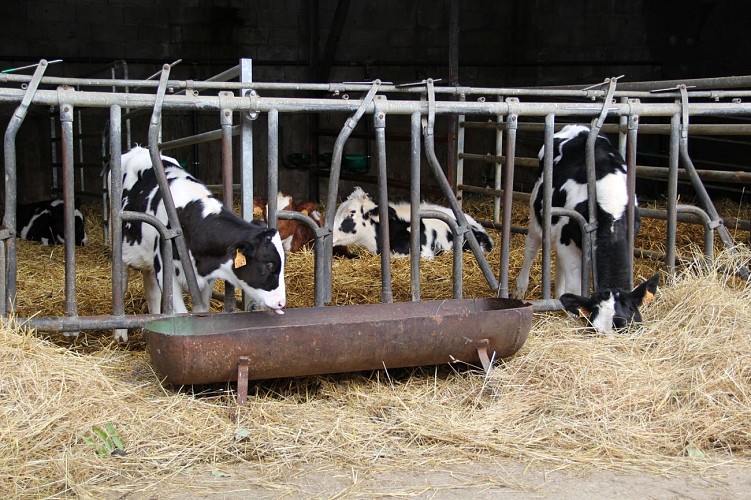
209	348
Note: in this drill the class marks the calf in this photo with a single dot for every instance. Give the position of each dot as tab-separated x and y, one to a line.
357	222
296	235
222	245
44	221
612	248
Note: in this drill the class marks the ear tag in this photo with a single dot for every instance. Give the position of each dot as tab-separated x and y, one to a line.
304	212
240	260
649	297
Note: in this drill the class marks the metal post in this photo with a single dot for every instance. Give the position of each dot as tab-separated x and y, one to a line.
115	200
11	186
225	119
246	146
631	137
459	156
379	123
273	165
547	204
497	167
66	123
508	192
415	204
164	189
672	201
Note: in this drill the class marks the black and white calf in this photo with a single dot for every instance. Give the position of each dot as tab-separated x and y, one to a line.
44	221
222	245
614	304
357	222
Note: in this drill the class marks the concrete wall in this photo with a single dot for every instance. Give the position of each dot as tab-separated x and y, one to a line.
512	43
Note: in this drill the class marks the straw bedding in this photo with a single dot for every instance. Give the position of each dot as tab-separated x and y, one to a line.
670	396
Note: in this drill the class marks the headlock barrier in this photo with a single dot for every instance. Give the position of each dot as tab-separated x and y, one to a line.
610	107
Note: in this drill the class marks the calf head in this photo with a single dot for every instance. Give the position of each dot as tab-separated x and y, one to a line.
606	310
258	264
354	221
57	223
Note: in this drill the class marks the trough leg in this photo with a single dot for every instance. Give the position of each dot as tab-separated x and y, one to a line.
482	352
242	380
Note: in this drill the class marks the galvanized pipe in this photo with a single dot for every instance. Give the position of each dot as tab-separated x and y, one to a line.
318	270
547	204
77	323
258	104
702	129
225	119
672	200
458	244
428	133
497	167
414	197
336	163
66	126
508	188
11	188
273	166
459	158
379	124
630	146
164	189
115	189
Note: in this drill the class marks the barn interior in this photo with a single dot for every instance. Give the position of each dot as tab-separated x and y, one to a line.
531	45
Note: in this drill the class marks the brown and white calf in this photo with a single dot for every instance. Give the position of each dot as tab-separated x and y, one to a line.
222	245
613	304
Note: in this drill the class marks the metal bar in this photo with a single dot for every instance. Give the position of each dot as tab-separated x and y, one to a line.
335	169
498	168
630	147
201	138
66	125
75	324
702	129
688	214
273	166
458	243
459	159
453	63
289	104
225	118
379	124
672	199
115	199
11	186
508	188
688	165
547	204
246	145
169	204
428	133
414	237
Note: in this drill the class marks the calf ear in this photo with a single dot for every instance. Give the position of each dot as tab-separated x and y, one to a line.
645	293
577	305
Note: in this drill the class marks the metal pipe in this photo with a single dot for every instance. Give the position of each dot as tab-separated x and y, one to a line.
672	199
336	163
497	167
201	138
508	188
379	124
66	125
428	133
414	237
458	244
630	146
225	119
169	204
273	166
547	204
115	189
701	129
11	187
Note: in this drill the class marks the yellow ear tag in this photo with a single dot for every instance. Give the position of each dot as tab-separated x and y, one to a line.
304	212
649	297
240	260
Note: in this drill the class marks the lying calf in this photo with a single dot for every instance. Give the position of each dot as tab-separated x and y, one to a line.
44	221
357	222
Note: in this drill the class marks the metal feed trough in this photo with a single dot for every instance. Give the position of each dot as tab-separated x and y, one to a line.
202	349
422	102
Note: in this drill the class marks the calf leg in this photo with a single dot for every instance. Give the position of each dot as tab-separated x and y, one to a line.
532	244
568	269
153	292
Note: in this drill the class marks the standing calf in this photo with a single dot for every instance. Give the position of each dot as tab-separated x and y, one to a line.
613	304
222	245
